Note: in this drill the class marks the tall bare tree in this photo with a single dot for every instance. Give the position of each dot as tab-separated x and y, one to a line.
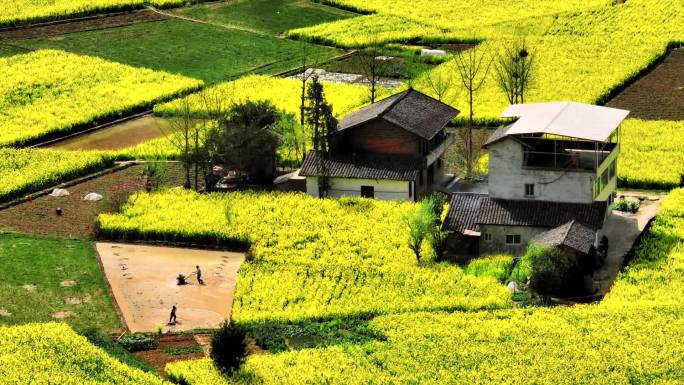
179	134
371	64
514	67
472	67
306	74
322	122
440	83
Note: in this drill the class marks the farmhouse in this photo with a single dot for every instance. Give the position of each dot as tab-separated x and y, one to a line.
552	174
389	150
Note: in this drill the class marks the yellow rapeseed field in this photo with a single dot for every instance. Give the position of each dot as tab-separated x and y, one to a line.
48	92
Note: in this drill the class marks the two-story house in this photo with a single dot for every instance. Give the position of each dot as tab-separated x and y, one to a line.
552	174
391	149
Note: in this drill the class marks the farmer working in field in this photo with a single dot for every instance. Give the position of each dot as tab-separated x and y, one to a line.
198	272
172	318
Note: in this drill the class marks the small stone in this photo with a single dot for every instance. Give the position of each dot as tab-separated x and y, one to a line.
73	301
62	314
68	283
29	287
4	313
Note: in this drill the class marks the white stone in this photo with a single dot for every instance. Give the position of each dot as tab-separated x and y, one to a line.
59	192
93	197
432	52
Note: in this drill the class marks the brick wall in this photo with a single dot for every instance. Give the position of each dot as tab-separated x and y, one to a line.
381	137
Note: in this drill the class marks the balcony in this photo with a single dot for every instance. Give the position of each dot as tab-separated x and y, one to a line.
439	149
567	155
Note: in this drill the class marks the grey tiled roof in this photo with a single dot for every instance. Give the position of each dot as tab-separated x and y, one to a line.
468	210
410	110
571	234
365	166
463	211
540	213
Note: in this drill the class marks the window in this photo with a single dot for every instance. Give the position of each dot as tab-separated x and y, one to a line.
513	239
487	237
368	191
529	189
420	178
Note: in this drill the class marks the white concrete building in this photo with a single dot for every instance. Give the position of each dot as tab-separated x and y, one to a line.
555	164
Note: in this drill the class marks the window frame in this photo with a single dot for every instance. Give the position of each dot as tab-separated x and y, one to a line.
364	192
529	190
515	239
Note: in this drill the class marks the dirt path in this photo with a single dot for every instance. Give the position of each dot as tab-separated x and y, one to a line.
622	230
220	25
85	24
119	136
659	94
143	281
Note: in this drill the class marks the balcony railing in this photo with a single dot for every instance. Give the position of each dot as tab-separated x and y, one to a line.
568	156
439	149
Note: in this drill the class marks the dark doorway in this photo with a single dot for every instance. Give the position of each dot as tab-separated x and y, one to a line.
367	191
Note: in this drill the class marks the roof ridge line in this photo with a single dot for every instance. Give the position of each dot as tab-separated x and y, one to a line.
394	103
566	104
567	232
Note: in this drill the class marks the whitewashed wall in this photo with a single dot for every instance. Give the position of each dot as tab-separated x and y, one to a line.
340	187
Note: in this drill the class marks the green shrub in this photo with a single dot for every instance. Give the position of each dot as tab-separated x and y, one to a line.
228	348
495	266
626	205
137	341
550	268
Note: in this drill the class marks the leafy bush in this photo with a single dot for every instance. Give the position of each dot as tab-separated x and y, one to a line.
228	348
550	268
626	205
176	351
137	341
495	266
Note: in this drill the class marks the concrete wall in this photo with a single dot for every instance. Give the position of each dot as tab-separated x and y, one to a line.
380	137
498	243
507	178
384	189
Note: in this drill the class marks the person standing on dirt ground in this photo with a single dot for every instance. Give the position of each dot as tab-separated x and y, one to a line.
172	317
199	275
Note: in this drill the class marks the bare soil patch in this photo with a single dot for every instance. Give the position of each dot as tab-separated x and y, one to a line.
658	95
143	281
4	313
68	283
78	216
86	24
158	358
29	287
62	314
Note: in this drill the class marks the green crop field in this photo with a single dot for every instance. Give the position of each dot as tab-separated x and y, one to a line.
268	16
195	50
43	277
